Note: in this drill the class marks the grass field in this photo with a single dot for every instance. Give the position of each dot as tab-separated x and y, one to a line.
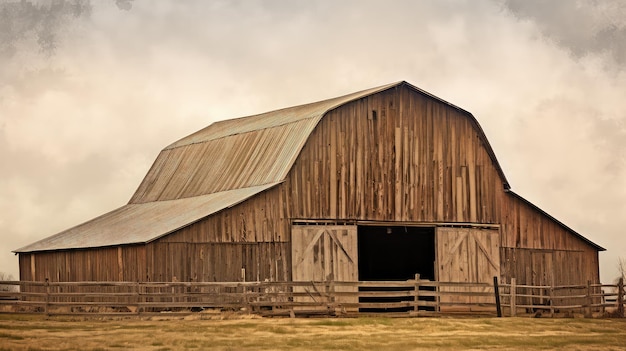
20	332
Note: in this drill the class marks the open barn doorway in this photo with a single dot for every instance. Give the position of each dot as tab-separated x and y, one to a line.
394	253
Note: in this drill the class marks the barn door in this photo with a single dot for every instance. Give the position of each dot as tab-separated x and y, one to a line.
467	255
324	253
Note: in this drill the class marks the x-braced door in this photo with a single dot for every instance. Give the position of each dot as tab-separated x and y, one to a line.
467	255
325	253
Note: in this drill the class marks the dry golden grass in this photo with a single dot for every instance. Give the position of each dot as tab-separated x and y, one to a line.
37	333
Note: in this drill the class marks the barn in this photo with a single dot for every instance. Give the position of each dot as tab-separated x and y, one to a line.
380	184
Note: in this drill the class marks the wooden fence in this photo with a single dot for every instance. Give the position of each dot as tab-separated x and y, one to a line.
415	297
564	299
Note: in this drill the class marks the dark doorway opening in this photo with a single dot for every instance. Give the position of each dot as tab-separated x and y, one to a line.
388	253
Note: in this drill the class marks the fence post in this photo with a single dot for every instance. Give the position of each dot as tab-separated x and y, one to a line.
138	297
46	307
620	298
331	297
513	298
589	300
496	291
416	293
551	292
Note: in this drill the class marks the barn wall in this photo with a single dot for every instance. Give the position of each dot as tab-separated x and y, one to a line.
170	261
103	264
547	267
530	239
395	156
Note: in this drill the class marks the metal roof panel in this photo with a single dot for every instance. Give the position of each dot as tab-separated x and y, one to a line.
142	223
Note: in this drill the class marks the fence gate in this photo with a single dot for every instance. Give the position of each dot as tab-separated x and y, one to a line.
467	255
325	253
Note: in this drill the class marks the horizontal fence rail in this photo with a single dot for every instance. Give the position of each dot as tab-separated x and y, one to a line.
416	297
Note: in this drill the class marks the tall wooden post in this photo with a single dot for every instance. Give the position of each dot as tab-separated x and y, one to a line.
416	294
513	298
589	300
551	292
496	291
138	297
46	306
620	298
330	287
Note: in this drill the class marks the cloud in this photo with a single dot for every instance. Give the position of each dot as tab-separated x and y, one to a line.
125	5
81	124
39	21
583	27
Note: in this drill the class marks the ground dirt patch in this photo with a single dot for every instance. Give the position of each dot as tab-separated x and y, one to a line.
25	332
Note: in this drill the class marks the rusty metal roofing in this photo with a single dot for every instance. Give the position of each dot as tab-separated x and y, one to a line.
142	223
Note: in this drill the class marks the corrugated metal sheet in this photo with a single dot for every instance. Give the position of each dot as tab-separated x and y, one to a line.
142	223
239	161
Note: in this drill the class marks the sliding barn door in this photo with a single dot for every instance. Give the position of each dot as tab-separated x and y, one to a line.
324	253
467	255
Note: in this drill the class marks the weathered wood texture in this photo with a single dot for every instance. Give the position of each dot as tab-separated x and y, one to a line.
325	253
537	251
398	156
467	255
395	156
163	262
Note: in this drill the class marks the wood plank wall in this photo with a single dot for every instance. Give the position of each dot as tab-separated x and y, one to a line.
83	265
209	262
393	156
163	261
549	267
536	250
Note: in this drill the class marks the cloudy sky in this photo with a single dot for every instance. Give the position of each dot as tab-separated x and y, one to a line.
91	91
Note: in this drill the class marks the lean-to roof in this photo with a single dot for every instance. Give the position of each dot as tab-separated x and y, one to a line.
142	223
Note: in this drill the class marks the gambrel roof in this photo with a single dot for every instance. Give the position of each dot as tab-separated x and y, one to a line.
214	169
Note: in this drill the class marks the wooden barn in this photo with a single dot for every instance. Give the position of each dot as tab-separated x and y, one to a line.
376	185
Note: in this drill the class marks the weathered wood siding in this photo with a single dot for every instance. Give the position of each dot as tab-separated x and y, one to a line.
208	262
536	250
162	262
103	264
395	156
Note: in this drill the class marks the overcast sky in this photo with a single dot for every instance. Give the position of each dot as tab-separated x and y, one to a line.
90	92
